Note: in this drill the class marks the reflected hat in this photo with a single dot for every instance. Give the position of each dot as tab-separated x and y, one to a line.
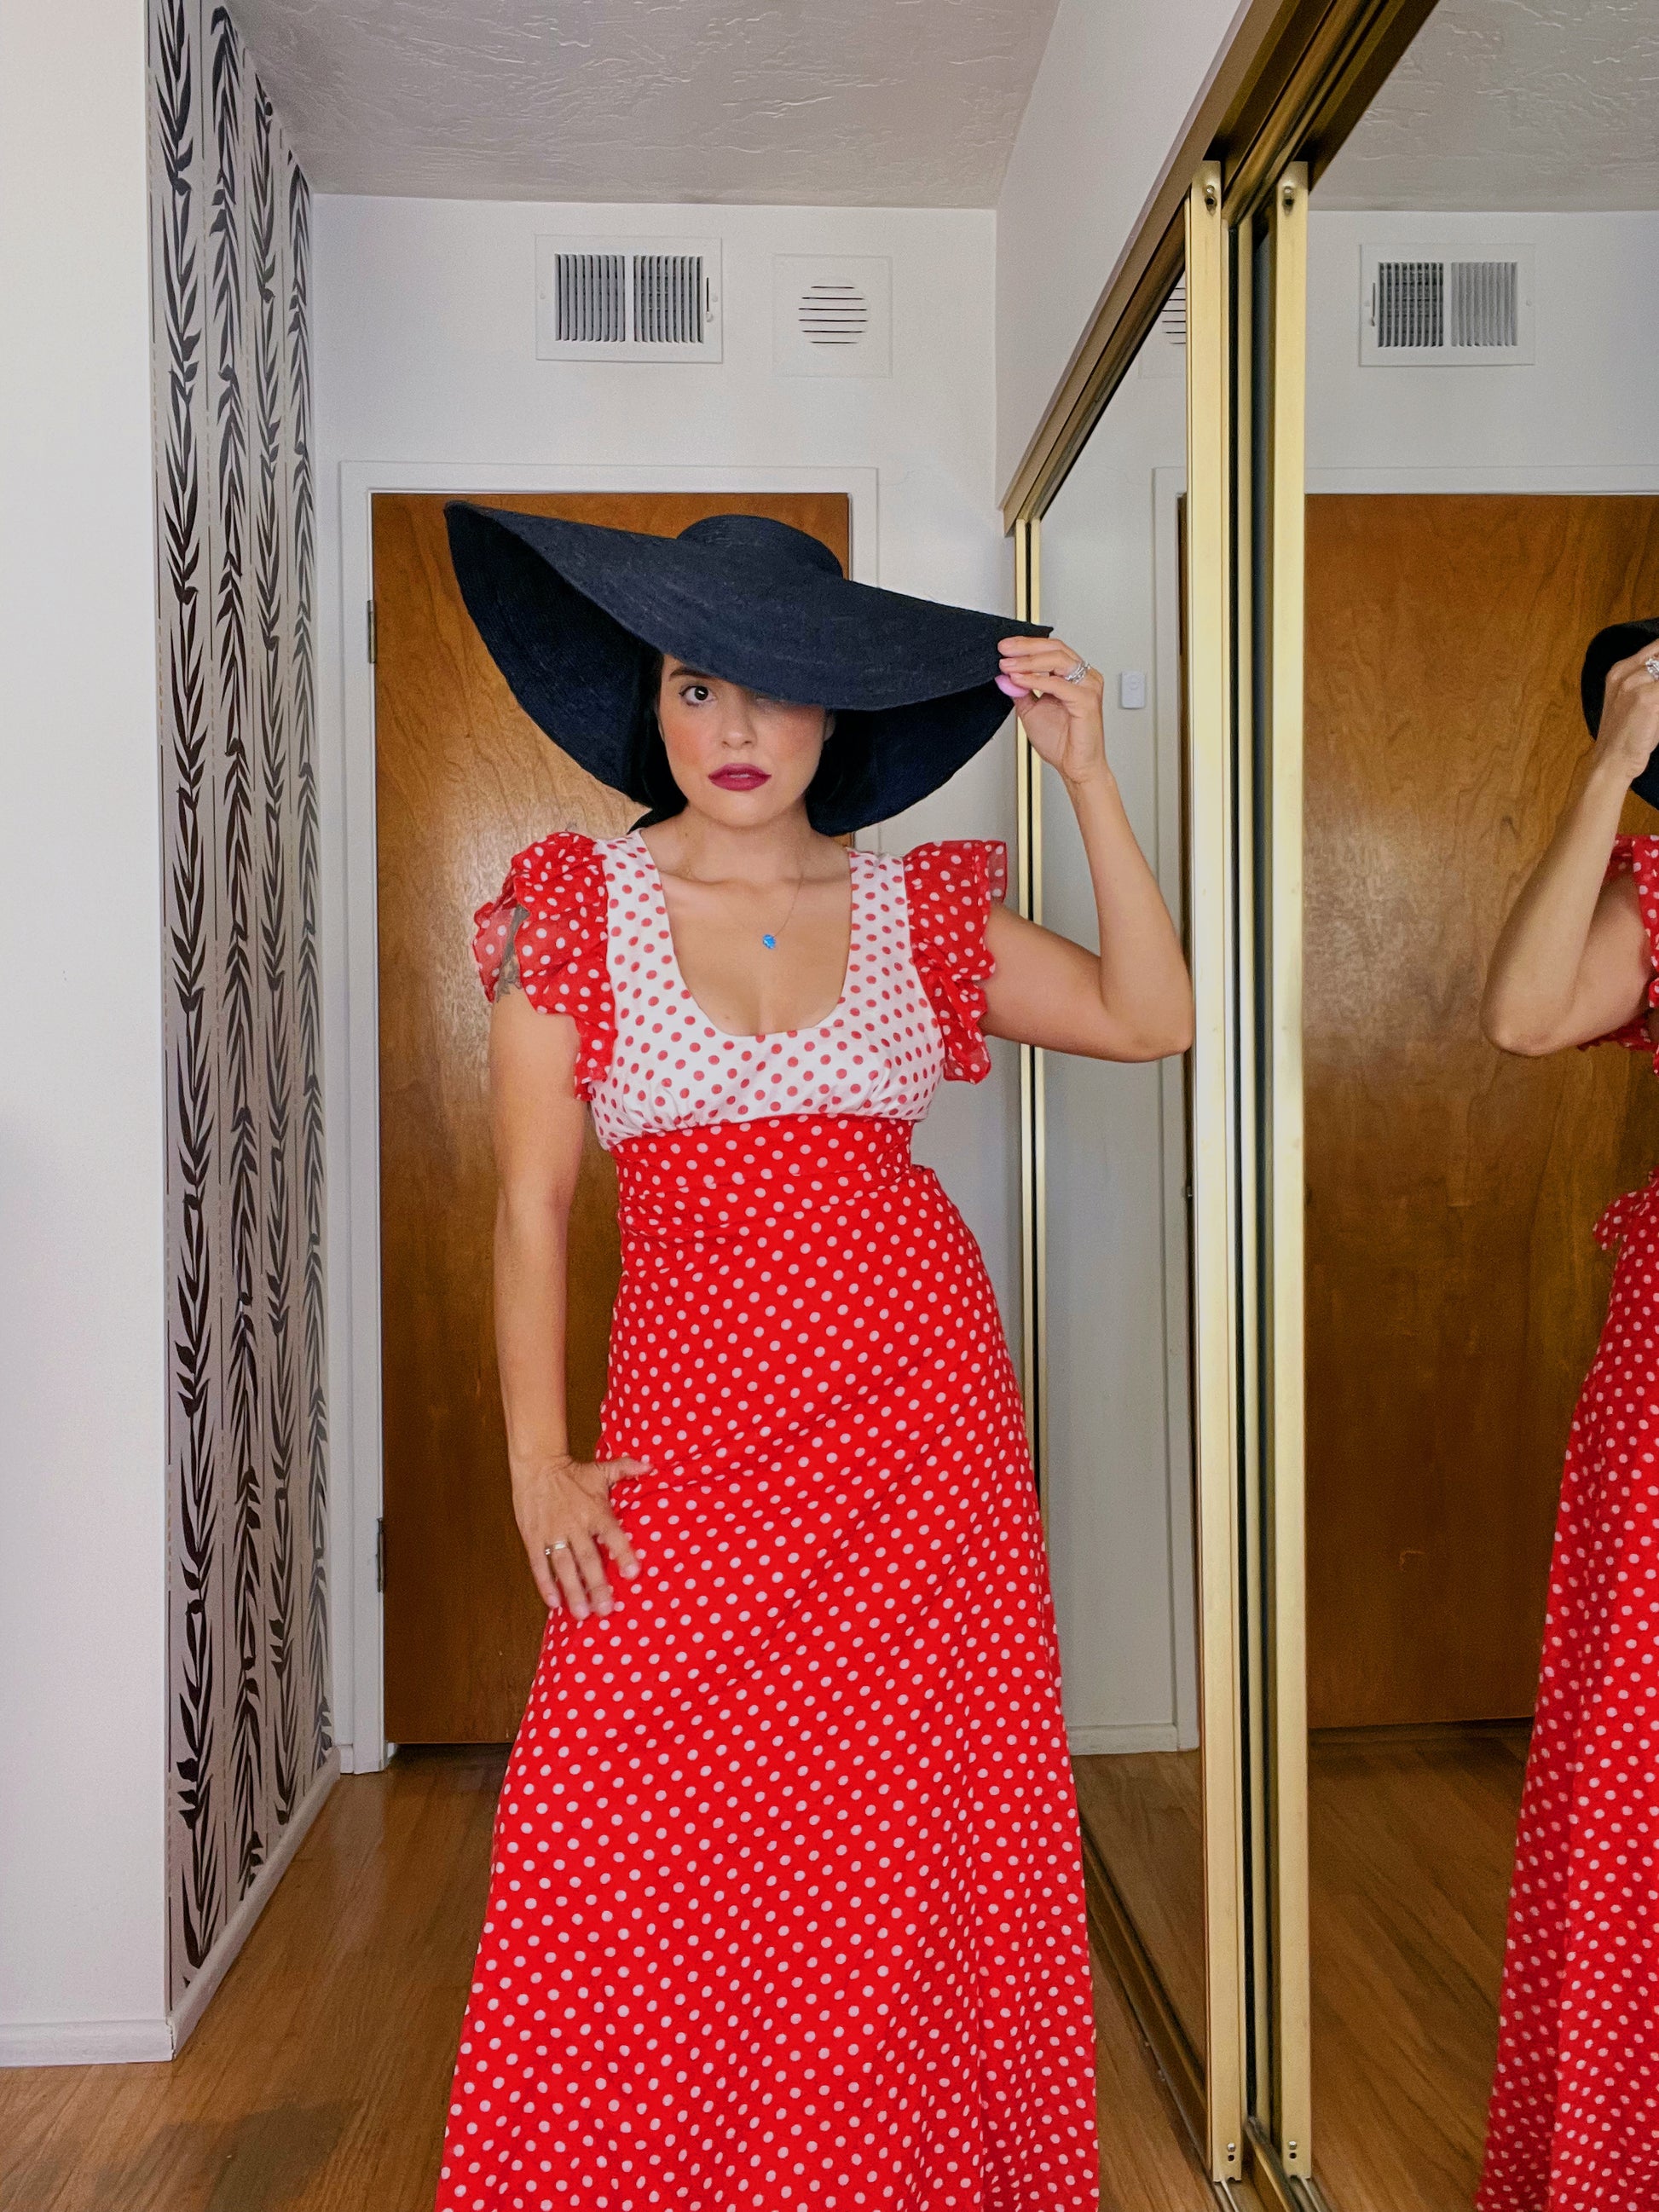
1615	643
575	613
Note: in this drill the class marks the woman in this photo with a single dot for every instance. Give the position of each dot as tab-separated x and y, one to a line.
1574	2108
786	1906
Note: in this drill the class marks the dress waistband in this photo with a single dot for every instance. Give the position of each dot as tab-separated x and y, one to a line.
737	1175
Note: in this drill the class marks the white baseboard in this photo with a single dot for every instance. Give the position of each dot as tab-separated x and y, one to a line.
1135	1736
134	2042
234	1933
85	2042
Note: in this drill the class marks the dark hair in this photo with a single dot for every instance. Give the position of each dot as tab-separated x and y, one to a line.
652	774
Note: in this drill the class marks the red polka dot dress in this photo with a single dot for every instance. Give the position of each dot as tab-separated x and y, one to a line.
1574	2108
786	1905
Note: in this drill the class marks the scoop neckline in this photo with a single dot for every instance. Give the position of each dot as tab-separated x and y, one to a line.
754	1036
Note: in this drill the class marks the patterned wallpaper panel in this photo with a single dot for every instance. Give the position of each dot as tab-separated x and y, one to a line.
251	1724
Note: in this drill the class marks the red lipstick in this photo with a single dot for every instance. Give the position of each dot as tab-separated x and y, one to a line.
740	779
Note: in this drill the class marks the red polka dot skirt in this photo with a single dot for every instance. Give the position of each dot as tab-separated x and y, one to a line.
1574	2124
786	1906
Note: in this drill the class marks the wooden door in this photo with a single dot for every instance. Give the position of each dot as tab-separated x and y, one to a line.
464	779
1454	1294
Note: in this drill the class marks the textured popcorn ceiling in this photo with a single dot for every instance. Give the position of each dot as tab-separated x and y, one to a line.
1517	104
910	103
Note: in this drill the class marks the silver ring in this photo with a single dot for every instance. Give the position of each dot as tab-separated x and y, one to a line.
1651	664
548	1550
1075	675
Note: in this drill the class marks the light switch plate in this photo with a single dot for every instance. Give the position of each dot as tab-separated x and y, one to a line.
1132	688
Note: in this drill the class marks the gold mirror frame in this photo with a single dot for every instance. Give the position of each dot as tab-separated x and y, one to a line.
1295	78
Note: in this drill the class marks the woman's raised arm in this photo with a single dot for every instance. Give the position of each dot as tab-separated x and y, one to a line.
1573	962
562	1504
1132	1001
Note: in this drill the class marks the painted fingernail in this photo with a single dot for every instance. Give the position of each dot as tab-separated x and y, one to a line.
1006	684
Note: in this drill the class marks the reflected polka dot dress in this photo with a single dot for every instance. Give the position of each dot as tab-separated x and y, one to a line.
1574	2108
785	1903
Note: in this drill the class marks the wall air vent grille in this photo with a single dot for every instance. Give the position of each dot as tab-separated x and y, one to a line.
627	298
668	299
1411	304
1484	303
1165	351
590	298
832	314
1447	309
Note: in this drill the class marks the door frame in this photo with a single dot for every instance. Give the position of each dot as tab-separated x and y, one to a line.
348	904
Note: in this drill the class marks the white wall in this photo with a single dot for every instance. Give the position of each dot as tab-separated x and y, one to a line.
1111	101
1117	1446
82	1450
1590	401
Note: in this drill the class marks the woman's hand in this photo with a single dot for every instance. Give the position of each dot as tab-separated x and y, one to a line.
1063	719
1630	713
563	1510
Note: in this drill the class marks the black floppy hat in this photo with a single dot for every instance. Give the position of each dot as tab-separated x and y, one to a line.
1615	643
575	613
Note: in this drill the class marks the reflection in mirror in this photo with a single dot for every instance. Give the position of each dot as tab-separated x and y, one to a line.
1115	1439
1483	323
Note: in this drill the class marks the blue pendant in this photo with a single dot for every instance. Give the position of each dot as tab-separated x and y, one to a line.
769	941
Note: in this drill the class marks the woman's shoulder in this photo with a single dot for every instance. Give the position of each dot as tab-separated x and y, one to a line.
563	856
969	870
1634	862
549	910
544	933
950	885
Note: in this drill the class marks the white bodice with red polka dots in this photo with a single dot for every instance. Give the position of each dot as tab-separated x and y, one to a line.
878	1052
587	921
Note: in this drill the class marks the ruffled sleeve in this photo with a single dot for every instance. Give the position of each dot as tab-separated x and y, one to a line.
949	889
550	920
1638	857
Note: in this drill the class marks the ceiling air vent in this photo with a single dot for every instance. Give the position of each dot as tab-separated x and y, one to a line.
632	299
832	315
1459	309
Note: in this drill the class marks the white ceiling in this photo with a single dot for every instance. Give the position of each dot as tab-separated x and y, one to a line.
908	103
1518	103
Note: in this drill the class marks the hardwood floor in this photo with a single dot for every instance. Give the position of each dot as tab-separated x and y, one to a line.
1411	1837
317	2080
1142	1808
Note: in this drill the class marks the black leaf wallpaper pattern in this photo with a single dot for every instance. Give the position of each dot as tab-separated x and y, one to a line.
250	1725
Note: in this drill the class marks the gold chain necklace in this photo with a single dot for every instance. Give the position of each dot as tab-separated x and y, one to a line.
769	937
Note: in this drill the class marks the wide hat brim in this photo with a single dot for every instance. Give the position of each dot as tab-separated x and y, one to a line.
574	613
1615	643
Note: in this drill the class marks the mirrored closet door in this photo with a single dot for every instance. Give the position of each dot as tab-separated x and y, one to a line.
1128	1313
1115	1428
1441	326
